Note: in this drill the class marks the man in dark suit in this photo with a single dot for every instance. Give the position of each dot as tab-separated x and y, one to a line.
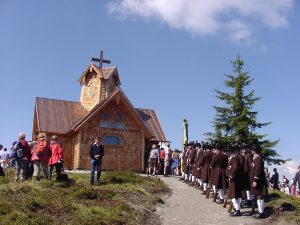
235	181
96	154
219	164
258	180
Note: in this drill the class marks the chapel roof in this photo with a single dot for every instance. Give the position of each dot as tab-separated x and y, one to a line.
62	117
104	73
58	116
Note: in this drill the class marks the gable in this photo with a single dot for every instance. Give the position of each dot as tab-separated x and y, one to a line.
117	95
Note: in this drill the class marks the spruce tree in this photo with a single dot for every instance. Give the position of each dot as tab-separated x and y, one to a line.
236	120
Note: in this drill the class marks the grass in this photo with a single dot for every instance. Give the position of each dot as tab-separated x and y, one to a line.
121	198
278	199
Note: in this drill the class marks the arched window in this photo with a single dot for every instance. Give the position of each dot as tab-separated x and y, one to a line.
111	140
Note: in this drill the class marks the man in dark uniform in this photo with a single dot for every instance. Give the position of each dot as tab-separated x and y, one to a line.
219	164
191	159
235	181
258	180
196	167
246	167
205	171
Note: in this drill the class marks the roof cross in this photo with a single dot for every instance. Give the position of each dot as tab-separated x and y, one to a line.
101	60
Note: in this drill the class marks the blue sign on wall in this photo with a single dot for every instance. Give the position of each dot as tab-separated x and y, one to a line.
120	126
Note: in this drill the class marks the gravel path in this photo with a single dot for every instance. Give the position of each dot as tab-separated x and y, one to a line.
186	206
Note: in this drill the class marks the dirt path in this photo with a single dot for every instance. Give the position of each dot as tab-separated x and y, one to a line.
186	206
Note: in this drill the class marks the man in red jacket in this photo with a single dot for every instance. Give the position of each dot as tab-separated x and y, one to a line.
56	159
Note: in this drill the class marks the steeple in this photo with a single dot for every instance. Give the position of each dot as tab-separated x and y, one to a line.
97	84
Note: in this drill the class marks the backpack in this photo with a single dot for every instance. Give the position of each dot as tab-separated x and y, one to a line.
162	155
41	148
18	151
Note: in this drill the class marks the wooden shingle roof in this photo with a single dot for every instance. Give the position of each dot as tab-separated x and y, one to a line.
61	117
151	120
58	116
104	73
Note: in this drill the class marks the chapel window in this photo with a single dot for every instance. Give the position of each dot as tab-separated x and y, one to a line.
111	140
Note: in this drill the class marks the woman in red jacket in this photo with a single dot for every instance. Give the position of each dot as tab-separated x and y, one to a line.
56	159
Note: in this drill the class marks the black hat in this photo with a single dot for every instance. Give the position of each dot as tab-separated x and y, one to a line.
256	147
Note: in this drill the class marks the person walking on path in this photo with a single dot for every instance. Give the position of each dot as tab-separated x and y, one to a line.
258	181
22	154
56	159
96	154
40	157
153	159
235	181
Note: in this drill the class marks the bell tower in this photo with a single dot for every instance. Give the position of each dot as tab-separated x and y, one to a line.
97	83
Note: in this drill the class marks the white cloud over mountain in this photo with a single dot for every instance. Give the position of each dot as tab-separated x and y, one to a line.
239	19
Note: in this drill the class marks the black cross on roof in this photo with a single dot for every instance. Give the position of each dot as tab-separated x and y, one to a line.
101	60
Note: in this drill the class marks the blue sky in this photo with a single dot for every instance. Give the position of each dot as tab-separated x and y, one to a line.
171	55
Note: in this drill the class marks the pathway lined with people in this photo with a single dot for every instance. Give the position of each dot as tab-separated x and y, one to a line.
186	206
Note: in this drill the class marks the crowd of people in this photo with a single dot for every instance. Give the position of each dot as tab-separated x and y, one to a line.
215	168
164	161
30	158
285	186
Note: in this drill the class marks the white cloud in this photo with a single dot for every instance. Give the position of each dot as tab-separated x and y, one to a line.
237	18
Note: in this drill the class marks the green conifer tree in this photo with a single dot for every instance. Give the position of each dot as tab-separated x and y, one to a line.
236	121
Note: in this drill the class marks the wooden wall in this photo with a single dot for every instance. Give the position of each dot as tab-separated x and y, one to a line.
129	155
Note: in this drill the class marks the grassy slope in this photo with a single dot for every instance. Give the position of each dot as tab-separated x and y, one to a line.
122	198
277	199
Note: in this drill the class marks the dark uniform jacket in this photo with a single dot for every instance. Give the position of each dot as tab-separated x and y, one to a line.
191	159
196	168
205	172
247	165
219	164
234	174
258	175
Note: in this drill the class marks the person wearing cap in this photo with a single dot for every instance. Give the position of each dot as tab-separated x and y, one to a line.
96	154
56	159
219	164
235	180
23	159
40	157
258	181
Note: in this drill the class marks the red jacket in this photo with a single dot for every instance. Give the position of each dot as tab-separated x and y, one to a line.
44	158
25	146
56	153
